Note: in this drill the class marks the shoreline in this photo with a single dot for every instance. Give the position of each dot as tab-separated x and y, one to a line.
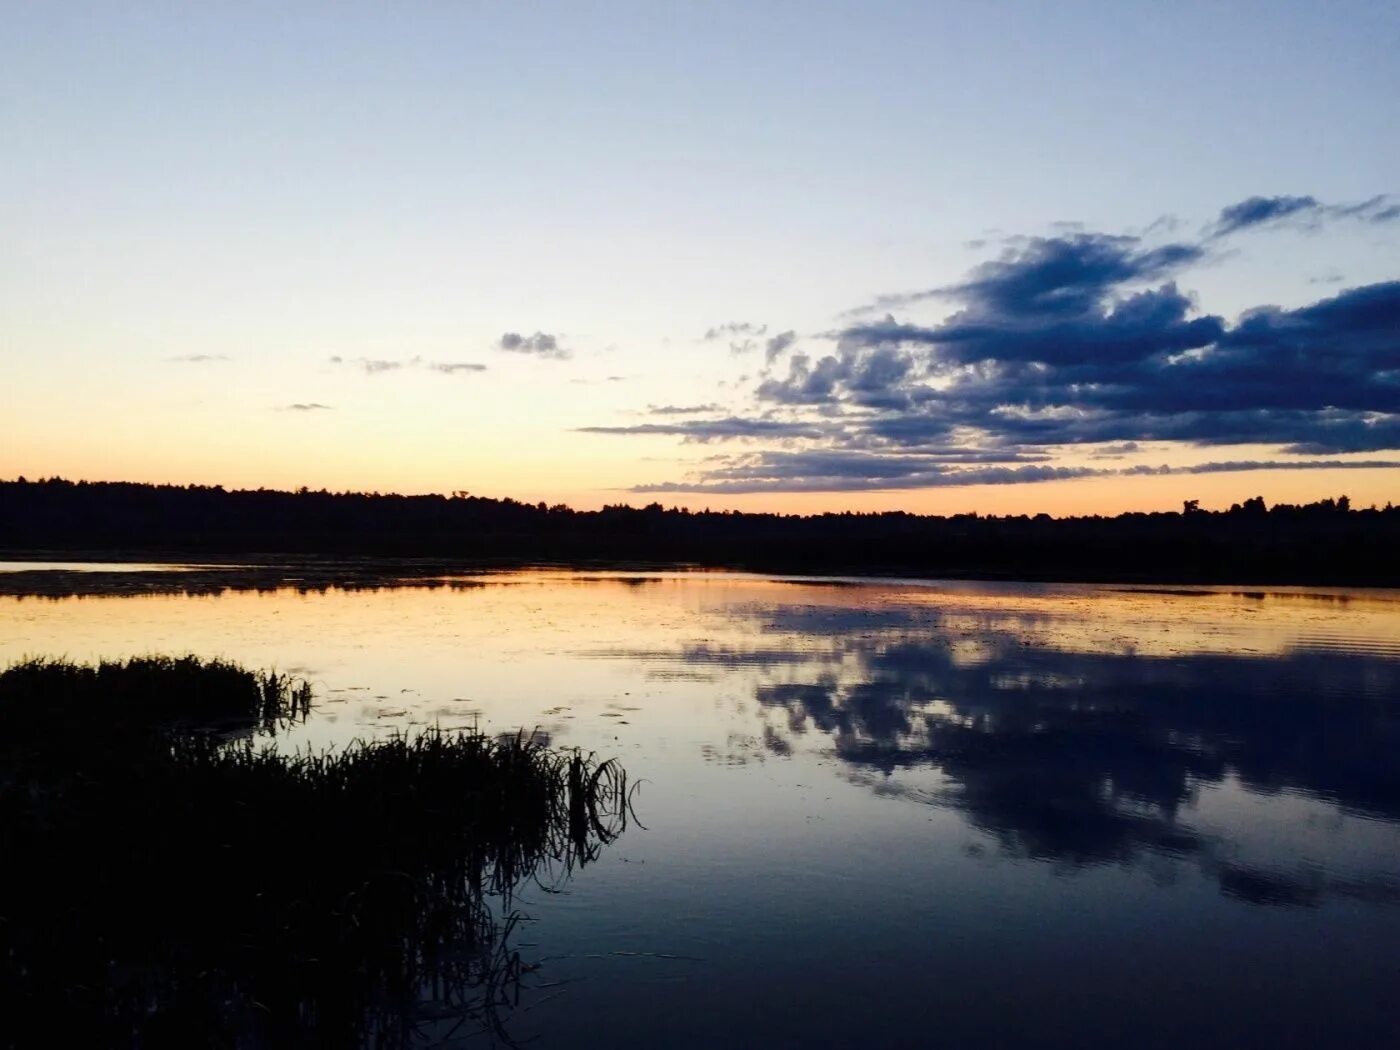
60	573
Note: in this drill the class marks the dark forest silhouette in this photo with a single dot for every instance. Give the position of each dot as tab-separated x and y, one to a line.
1325	542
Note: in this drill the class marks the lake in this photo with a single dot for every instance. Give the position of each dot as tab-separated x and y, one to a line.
885	813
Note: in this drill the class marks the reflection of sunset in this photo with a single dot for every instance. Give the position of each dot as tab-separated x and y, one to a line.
536	614
1227	749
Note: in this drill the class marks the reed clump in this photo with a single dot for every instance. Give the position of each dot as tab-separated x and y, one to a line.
55	701
189	888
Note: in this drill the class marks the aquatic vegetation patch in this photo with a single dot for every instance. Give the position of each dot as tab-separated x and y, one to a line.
49	697
188	888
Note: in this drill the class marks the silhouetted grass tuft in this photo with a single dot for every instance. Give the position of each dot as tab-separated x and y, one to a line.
185	889
145	692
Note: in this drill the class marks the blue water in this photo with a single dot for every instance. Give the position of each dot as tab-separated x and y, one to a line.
894	814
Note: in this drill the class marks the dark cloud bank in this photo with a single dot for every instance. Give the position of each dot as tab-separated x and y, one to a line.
1074	340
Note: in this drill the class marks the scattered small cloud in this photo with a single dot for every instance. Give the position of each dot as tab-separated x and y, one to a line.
305	406
733	330
1330	277
374	366
541	344
378	365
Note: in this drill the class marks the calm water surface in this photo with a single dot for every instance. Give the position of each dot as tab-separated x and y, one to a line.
894	814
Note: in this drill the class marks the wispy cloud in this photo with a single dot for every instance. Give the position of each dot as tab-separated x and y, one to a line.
715	429
768	473
305	406
1308	211
681	410
378	366
742	336
197	359
734	330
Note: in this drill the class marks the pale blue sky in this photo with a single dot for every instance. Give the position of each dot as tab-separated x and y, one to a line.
404	182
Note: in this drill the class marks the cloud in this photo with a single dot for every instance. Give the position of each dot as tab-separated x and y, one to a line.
936	477
374	367
681	410
1270	211
1257	211
1075	341
541	344
832	472
1027	363
306	406
378	366
197	359
734	330
714	429
1060	276
776	345
742	336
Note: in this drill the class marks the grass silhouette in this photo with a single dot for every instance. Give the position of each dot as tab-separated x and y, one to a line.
175	880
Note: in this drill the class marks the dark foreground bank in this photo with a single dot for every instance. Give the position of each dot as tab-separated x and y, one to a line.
1328	542
171	880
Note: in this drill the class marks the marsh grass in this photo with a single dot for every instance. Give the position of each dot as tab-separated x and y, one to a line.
187	888
56	698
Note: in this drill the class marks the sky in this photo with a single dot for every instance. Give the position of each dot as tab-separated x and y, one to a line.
1011	258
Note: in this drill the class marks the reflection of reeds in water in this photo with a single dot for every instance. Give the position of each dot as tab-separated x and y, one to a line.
172	887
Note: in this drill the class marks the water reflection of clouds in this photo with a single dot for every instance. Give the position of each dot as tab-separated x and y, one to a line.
1146	623
1073	726
1082	754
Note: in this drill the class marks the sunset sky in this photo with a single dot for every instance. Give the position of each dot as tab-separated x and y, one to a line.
787	256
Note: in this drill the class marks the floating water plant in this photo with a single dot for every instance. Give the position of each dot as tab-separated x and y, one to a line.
173	885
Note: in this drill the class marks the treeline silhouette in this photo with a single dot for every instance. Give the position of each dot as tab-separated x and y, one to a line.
1325	542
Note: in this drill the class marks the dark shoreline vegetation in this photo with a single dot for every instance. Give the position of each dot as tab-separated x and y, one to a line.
1328	542
172	879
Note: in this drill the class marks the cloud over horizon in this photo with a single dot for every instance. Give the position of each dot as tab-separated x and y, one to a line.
1075	340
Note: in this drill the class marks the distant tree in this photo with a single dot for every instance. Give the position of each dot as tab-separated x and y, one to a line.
1255	505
